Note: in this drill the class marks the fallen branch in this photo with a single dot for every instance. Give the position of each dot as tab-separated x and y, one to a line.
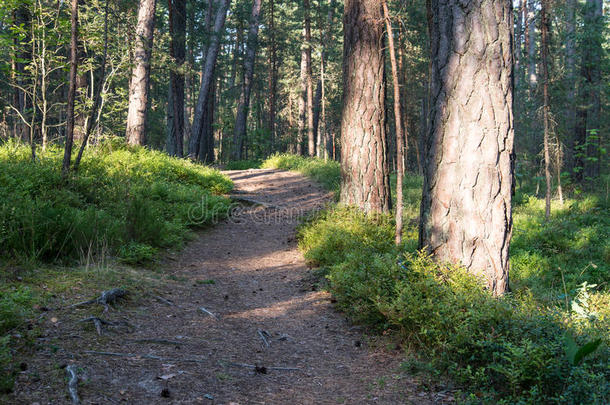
205	311
108	297
264	335
71	371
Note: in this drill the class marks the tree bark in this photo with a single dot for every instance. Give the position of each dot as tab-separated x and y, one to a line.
364	176
466	202
400	141
272	76
544	42
531	51
311	139
302	100
140	77
177	29
244	98
207	77
71	88
570	112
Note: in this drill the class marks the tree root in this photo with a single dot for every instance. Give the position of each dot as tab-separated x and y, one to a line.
108	297
72	383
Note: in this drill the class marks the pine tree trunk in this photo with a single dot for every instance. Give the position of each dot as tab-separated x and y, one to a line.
466	202
311	140
244	98
544	43
302	100
207	75
71	88
531	50
400	141
364	175
570	112
177	28
272	77
140	77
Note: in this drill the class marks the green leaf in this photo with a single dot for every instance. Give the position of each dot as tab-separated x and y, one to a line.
586	350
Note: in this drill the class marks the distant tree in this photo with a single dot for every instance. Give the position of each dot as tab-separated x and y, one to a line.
466	203
244	98
177	48
72	87
364	169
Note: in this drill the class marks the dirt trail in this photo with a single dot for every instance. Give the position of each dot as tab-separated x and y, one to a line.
248	272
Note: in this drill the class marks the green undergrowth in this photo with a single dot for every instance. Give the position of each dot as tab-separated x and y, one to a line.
61	236
243	164
545	342
126	202
26	298
325	172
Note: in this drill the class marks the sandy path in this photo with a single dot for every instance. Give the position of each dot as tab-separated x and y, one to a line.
248	272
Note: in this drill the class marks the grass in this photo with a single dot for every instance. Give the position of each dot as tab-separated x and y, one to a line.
517	349
325	172
63	235
243	164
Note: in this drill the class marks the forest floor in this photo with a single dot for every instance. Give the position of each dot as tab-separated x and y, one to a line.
276	339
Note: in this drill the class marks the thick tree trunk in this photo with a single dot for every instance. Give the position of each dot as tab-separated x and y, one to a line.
400	141
71	88
364	177
544	44
140	77
177	28
244	98
207	77
466	202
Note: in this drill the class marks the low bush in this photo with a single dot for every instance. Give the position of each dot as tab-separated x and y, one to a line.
520	348
120	198
325	172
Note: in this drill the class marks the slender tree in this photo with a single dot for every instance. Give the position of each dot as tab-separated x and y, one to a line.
544	50
97	97
272	75
140	77
207	76
244	97
364	169
72	87
466	201
311	140
400	141
177	48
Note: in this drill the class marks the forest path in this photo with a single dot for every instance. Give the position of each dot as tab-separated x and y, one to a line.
248	272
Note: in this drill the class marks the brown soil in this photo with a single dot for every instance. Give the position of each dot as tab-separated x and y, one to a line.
249	273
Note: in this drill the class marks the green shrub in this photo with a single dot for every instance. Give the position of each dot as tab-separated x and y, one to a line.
15	306
325	172
119	196
512	349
